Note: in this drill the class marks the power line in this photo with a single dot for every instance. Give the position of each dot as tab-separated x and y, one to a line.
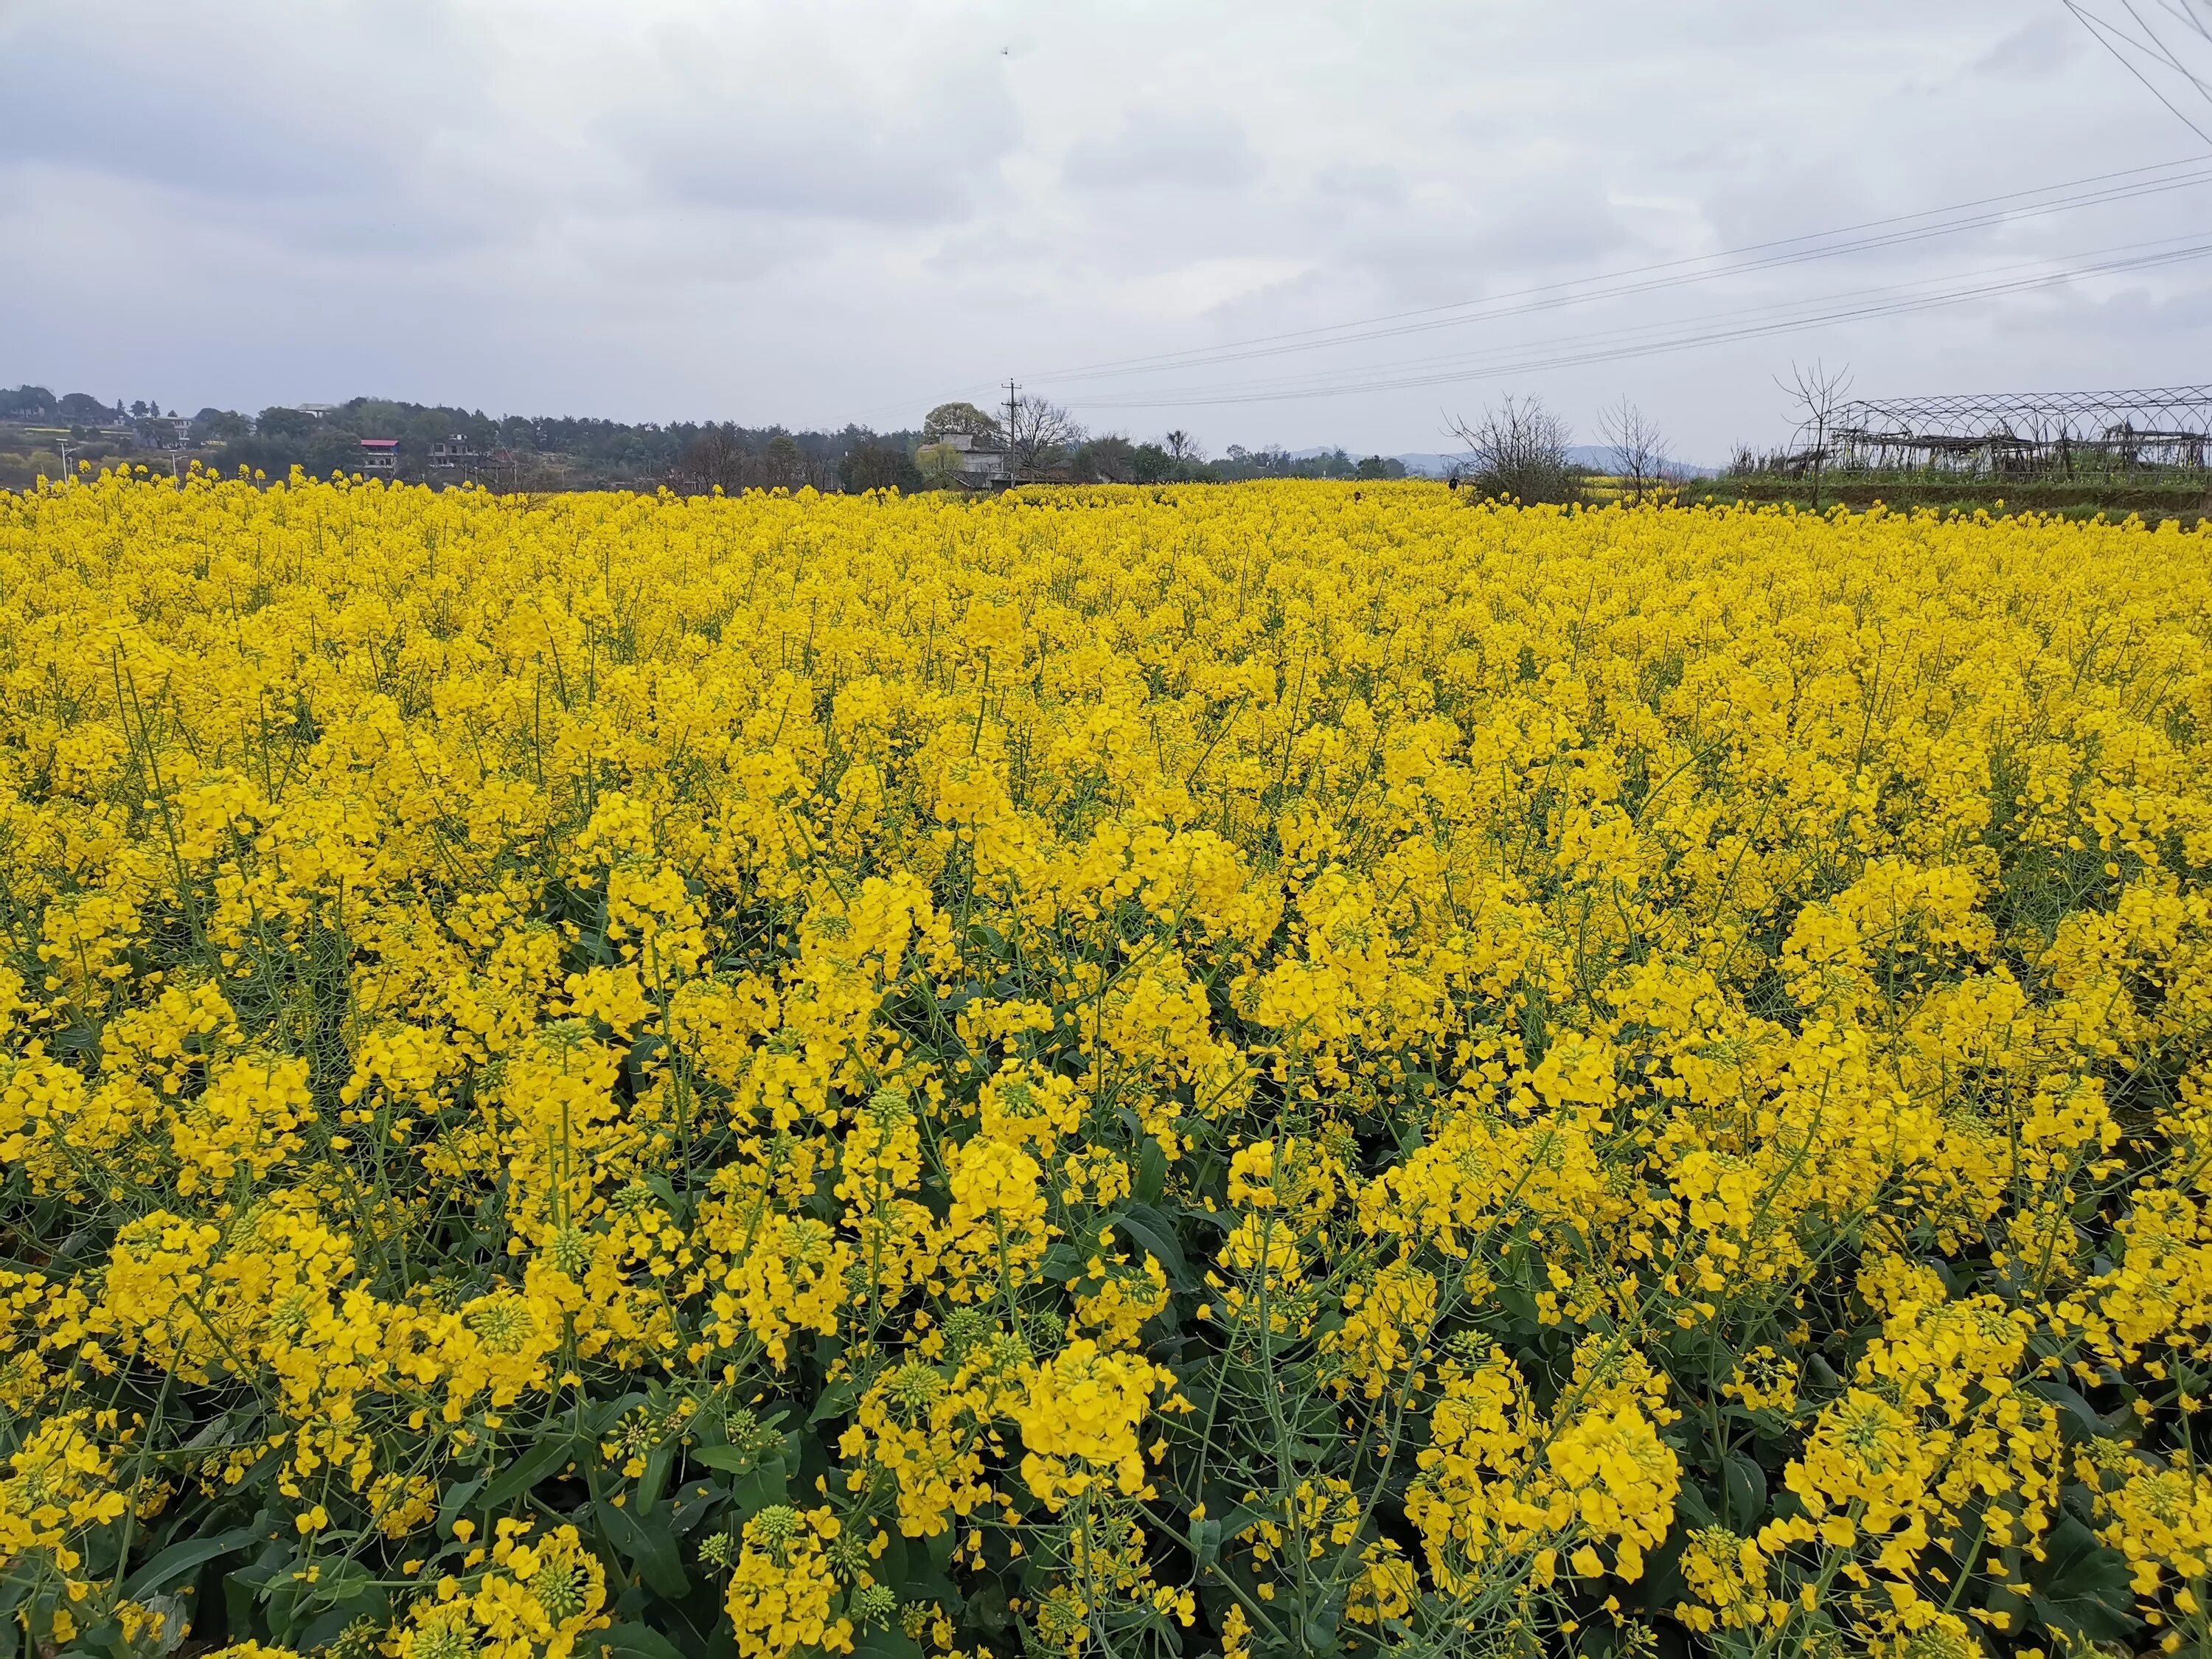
1950	221
1712	337
2133	183
1627	290
1885	292
2112	38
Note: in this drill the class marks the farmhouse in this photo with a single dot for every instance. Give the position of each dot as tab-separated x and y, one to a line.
983	460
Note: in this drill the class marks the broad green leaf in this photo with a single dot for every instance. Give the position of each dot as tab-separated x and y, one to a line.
650	1549
1152	1229
2080	1589
547	1457
183	1557
633	1638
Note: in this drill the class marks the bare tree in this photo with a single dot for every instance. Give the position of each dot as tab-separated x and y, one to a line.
1182	447
1109	459
716	457
1042	433
1639	452
1818	392
1518	449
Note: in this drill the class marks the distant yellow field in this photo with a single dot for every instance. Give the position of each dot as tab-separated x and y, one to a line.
1257	1070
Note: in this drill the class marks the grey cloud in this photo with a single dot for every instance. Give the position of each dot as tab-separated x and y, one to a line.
1441	256
727	160
1374	184
1203	150
346	149
825	152
226	105
792	212
2034	49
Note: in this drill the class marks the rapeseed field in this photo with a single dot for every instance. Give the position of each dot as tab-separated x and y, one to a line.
1264	1070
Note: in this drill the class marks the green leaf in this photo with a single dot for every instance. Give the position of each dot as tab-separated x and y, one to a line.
649	1549
1690	1503
321	1631
2078	1418
2080	1589
730	1460
752	1492
547	1457
339	1582
1745	1483
1152	1229
1152	1173
179	1559
654	1481
1206	1542
639	1639
1062	1263
906	1569
456	1499
890	1643
837	1400
603	1414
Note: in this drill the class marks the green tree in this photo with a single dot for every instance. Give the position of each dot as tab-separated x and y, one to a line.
782	463
948	419
284	425
217	425
939	464
26	403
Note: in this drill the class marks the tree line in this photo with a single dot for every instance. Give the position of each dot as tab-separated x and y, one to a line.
1518	448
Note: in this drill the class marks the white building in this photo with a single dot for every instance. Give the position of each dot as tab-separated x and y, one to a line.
983	460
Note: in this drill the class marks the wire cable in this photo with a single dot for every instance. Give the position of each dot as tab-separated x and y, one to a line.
1620	291
2104	34
1681	342
1884	293
2124	183
1952	220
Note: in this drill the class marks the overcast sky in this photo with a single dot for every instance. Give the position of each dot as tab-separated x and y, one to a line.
812	213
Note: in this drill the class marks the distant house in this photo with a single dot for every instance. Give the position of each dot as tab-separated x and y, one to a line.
318	410
379	455
983	459
449	454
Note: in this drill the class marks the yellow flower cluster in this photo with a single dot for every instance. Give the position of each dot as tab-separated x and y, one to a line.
1289	1069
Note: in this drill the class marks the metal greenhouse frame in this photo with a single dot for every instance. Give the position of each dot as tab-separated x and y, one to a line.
2165	430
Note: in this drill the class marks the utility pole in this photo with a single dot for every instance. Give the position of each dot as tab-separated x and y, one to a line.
1011	388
